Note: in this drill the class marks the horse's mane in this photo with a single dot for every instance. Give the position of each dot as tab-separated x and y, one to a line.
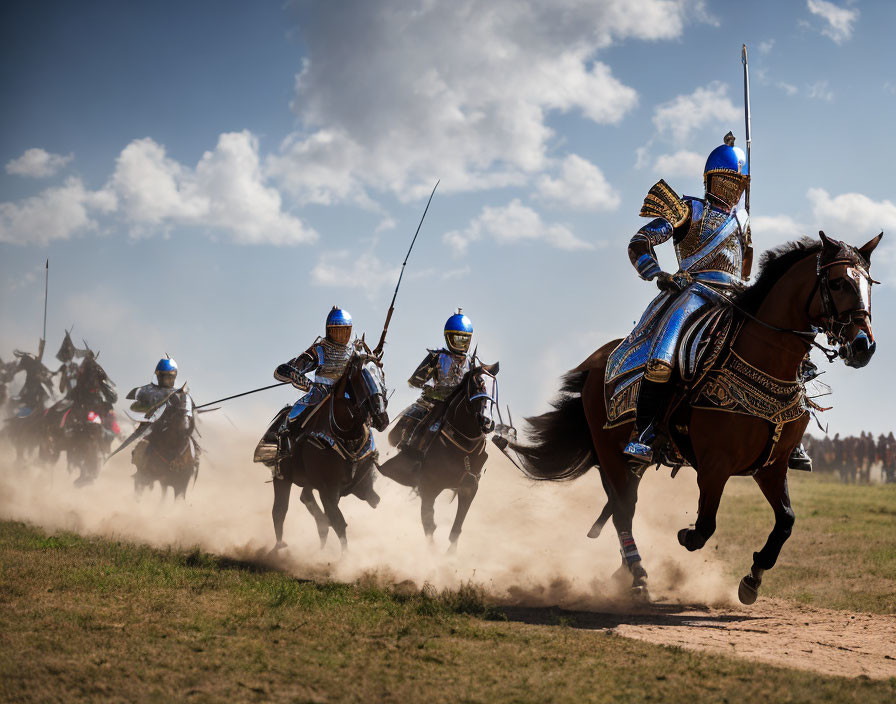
773	264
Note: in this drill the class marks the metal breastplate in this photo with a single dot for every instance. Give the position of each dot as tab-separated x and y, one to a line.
714	242
450	370
151	394
332	359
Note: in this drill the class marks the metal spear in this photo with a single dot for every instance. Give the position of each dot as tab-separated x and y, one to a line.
378	350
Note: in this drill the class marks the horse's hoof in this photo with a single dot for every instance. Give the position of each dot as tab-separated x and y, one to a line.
748	590
373	499
683	537
640	594
452	549
280	545
323	541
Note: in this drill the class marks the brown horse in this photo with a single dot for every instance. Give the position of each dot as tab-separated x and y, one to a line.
336	453
804	287
456	458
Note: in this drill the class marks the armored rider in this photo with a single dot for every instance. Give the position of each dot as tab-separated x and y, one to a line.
438	375
327	358
150	397
715	255
37	389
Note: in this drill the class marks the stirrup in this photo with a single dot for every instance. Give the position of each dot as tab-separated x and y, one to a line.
799	460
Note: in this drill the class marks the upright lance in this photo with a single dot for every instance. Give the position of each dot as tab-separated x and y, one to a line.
747	124
748	254
378	350
43	338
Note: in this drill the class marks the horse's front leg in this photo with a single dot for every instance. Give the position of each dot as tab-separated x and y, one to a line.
773	483
465	494
329	497
711	480
323	525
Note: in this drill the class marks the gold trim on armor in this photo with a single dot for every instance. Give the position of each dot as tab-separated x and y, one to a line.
662	202
658	370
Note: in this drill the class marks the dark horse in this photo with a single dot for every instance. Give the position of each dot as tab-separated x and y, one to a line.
81	425
336	453
456	458
804	287
168	453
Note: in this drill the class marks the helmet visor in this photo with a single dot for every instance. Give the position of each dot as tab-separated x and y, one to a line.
340	334
166	379
458	341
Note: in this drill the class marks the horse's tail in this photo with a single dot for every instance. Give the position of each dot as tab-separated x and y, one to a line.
562	449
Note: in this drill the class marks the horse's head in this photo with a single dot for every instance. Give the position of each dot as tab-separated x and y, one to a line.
843	310
481	393
368	389
178	414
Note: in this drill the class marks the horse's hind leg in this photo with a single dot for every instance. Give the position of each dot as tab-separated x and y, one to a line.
773	483
282	488
465	495
364	489
323	525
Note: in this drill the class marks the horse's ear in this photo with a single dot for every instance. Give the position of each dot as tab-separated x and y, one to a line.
829	242
866	249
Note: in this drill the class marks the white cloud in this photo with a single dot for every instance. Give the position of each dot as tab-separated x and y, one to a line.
705	106
766	46
226	191
683	163
55	214
820	91
788	88
346	269
514	222
777	226
37	163
581	186
395	94
850	213
838	20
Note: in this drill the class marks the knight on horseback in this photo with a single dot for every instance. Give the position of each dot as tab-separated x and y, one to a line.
327	358
68	370
715	255
438	375
150	397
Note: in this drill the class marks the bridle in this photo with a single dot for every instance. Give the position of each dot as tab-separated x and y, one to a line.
834	321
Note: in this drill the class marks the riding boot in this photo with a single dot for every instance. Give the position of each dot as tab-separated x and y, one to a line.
653	398
799	459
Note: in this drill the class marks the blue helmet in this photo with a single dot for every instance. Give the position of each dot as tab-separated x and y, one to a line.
339	326
166	372
727	172
458	332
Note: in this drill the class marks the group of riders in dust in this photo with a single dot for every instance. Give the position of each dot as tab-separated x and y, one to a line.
713	377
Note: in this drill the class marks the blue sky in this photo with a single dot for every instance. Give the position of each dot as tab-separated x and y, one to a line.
208	178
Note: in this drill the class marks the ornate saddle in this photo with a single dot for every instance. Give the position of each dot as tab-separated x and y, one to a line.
700	345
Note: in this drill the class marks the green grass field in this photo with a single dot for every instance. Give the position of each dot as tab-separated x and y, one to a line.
842	553
97	620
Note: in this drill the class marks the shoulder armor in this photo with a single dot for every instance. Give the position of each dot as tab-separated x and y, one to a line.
662	202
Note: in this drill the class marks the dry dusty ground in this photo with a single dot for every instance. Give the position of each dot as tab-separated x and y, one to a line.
774	631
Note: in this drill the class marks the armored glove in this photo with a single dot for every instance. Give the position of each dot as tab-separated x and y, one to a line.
673	282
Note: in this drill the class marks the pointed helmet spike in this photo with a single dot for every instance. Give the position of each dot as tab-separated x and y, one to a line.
728	139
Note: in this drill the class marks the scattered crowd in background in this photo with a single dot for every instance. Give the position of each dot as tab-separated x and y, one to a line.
854	459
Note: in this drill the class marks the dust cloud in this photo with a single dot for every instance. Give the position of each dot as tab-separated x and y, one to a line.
524	542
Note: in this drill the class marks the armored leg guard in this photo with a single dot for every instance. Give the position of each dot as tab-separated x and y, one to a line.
653	398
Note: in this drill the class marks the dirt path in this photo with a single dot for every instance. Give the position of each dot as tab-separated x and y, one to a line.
779	633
